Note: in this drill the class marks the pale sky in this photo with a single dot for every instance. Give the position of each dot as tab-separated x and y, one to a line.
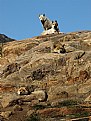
19	18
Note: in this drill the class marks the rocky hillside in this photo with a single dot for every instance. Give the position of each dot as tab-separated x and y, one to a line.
4	39
57	66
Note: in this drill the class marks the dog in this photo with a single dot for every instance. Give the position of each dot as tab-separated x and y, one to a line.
53	30
46	22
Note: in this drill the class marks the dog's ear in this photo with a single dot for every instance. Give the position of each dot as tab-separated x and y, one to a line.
43	14
39	15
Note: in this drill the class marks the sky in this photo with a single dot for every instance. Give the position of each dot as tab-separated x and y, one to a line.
19	18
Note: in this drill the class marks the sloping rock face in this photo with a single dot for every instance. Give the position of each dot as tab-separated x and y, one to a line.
59	64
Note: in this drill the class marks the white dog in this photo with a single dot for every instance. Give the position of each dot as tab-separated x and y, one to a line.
46	23
40	95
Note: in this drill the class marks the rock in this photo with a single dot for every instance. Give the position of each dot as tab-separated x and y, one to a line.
30	112
27	98
69	49
4	39
14	49
83	74
1	118
61	92
78	54
88	99
6	87
11	68
6	114
3	62
81	119
17	108
44	47
9	100
84	89
64	75
57	112
52	112
89	118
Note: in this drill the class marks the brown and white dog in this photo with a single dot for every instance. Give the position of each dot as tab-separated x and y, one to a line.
54	29
23	91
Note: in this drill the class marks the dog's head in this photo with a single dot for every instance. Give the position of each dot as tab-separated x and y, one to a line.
54	24
42	17
23	91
